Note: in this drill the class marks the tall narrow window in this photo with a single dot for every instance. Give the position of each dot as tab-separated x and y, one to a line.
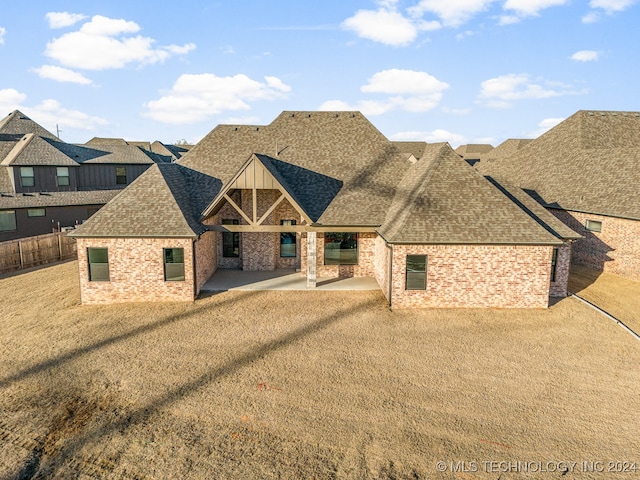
98	264
416	272
593	226
230	240
554	262
121	175
8	221
27	177
62	176
340	248
287	240
173	264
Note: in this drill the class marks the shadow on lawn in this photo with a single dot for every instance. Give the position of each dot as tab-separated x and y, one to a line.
39	463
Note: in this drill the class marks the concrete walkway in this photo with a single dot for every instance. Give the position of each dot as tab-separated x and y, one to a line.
281	279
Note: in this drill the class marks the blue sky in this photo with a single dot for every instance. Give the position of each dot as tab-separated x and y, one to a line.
462	71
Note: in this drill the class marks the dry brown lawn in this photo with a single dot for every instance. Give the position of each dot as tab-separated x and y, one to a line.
251	385
617	295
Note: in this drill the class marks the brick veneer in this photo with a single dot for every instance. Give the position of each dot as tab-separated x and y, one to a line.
563	262
616	249
366	256
475	276
206	258
136	271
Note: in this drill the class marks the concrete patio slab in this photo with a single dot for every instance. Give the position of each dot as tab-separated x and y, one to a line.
280	279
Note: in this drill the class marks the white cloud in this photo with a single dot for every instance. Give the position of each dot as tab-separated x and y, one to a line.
384	25
528	8
434	136
456	111
607	6
502	91
611	6
585	56
194	98
452	13
508	19
10	100
102	43
63	19
544	126
407	82
60	74
3	32
49	112
406	90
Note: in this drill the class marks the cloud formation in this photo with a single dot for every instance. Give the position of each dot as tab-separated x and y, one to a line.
585	56
60	74
406	90
106	43
433	136
452	13
503	91
608	7
383	25
48	112
3	32
194	98
63	19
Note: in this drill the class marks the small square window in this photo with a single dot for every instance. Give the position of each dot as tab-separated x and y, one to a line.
36	212
416	274
593	226
62	176
173	264
121	176
8	221
98	264
27	177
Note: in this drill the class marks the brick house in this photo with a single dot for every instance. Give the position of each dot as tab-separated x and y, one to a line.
47	184
585	172
328	194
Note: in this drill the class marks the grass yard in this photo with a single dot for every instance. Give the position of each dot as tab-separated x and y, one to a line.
281	384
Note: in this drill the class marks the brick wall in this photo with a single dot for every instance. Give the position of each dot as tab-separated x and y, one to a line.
563	262
366	258
381	264
475	276
616	249
227	212
136	271
206	258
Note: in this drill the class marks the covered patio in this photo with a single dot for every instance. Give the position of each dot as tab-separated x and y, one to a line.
281	279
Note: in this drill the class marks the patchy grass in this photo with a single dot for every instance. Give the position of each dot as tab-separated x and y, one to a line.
617	295
306	385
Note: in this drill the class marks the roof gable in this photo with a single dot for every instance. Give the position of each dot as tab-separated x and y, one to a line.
586	163
165	201
18	122
443	200
34	150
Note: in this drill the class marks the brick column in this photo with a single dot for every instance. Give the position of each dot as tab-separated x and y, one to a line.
311	259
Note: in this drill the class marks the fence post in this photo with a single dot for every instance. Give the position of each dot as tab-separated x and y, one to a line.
60	245
21	257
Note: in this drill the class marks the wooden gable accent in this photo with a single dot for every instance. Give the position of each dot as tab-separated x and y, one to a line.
253	175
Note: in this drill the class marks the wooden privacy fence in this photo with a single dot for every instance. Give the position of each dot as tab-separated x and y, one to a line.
32	251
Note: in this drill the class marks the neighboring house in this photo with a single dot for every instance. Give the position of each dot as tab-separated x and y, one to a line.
473	152
47	184
327	193
585	171
504	150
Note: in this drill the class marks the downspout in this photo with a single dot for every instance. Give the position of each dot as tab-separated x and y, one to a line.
390	272
193	266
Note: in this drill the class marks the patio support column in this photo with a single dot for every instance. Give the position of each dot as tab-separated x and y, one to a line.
311	259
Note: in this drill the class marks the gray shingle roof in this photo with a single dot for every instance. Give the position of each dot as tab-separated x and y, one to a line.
443	200
473	150
18	122
165	201
341	171
34	150
587	163
55	199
